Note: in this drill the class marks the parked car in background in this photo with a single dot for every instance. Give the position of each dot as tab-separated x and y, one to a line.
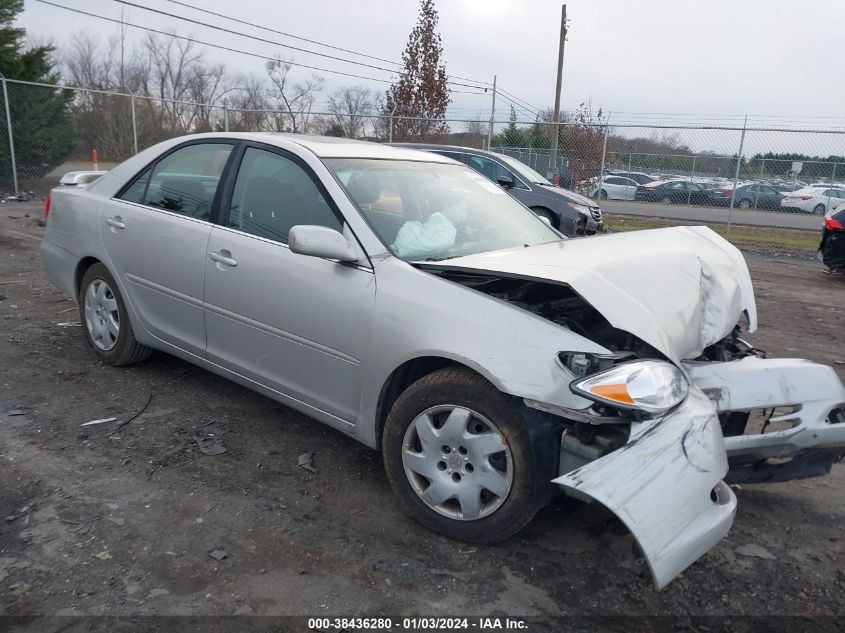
493	362
571	213
615	188
832	247
748	196
817	200
637	176
673	191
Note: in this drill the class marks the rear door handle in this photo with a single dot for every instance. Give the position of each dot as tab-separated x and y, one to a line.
223	257
116	222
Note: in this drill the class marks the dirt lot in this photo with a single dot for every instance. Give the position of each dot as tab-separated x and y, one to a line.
100	520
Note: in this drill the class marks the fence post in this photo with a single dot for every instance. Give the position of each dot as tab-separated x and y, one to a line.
833	177
692	175
11	136
134	123
736	176
225	114
603	154
757	195
390	126
492	116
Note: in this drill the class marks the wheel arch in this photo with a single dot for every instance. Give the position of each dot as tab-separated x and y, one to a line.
81	268
407	374
554	217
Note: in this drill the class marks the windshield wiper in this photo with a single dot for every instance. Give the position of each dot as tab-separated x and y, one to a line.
437	259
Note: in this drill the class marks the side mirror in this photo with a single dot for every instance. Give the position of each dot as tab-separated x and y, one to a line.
320	241
506	182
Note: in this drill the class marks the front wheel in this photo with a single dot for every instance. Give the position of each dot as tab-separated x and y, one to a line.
105	321
459	458
603	194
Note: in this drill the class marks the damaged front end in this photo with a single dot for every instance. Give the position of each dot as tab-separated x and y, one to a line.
661	467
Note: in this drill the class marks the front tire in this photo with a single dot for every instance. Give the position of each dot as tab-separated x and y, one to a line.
105	320
459	458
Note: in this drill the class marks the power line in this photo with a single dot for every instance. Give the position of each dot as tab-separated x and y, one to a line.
266	41
528	106
218	46
305	39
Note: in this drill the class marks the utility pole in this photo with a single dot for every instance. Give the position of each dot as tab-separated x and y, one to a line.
492	116
556	122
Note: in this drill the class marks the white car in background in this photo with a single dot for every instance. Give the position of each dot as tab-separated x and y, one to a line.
816	200
616	188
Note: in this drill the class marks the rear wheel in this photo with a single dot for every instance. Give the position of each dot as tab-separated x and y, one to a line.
819	209
603	194
105	321
666	200
459	458
745	203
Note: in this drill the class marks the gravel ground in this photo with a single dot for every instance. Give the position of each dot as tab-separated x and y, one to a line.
109	520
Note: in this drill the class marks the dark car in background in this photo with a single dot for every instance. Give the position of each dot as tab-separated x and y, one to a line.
832	247
673	191
748	196
571	213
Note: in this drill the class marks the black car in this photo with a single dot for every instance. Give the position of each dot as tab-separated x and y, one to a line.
749	196
832	247
673	191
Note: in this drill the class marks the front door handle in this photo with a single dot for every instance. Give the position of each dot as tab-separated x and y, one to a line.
223	257
116	222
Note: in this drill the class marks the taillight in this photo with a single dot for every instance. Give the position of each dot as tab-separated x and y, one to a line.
651	188
833	225
806	197
47	207
729	193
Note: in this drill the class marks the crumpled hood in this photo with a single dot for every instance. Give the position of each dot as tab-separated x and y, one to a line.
678	289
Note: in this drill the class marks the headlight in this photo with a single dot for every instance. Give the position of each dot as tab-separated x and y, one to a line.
580	208
652	386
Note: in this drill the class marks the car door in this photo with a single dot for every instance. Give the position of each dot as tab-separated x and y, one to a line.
628	188
299	325
612	186
696	193
676	192
155	232
769	197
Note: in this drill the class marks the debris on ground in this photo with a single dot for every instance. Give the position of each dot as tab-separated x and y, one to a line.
306	460
70	324
18	588
106	555
100	421
17	411
753	550
211	445
219	554
139	412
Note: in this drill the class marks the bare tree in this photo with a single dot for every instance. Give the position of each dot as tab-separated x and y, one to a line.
292	100
351	108
249	111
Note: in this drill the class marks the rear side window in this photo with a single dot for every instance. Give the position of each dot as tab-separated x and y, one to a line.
184	181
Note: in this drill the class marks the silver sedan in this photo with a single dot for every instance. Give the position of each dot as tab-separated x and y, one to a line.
407	301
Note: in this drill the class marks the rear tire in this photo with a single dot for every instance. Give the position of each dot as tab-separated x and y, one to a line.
105	319
422	440
745	203
603	194
666	200
819	209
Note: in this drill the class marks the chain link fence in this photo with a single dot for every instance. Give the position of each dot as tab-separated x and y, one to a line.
47	130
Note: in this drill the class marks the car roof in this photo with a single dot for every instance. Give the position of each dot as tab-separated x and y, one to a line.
330	146
430	147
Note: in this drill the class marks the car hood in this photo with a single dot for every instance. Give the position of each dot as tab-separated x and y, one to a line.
678	289
559	192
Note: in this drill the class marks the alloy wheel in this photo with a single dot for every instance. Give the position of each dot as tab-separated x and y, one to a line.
102	317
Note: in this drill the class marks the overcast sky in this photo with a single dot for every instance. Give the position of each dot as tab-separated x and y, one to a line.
720	58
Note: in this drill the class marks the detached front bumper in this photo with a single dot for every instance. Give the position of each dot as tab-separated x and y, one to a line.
666	486
806	402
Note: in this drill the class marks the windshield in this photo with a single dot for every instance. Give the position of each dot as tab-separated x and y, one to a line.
523	170
433	211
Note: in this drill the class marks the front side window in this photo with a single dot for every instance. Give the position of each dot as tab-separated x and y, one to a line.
273	194
490	168
438	211
186	180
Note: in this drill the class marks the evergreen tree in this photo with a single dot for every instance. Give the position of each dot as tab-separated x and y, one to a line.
42	127
421	91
